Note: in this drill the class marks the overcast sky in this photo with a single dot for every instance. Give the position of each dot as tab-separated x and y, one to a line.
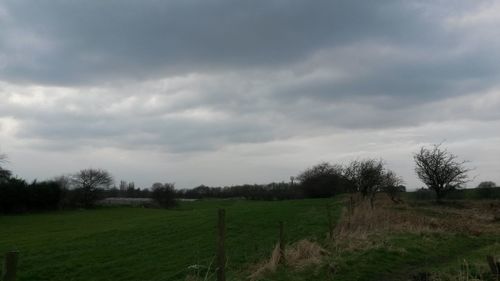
222	92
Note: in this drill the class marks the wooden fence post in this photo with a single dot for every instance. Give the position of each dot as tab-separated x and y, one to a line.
282	243
330	221
10	266
494	266
221	251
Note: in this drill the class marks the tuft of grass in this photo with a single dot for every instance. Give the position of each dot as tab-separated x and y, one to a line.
298	256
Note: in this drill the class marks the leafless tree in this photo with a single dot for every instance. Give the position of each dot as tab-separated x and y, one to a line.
90	181
393	186
367	177
440	170
4	173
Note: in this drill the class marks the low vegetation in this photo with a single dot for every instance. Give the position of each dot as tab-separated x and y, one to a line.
408	241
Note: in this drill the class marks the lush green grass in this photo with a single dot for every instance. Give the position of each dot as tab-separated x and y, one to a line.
153	244
401	255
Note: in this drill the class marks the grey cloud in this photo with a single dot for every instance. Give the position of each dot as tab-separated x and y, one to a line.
175	135
273	69
392	80
97	41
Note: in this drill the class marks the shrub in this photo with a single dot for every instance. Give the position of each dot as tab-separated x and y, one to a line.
17	196
44	195
164	195
322	180
487	193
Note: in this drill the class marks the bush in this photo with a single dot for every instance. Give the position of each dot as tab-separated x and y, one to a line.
164	195
322	180
44	195
487	193
17	196
13	194
487	184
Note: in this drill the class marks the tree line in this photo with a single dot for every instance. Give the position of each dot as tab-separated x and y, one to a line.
438	169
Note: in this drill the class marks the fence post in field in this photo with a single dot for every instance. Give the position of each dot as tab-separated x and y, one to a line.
221	251
10	266
494	266
330	221
282	243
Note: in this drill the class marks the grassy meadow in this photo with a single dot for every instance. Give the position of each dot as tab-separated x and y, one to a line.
390	242
153	244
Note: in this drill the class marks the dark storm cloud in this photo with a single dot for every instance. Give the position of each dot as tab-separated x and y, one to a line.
100	41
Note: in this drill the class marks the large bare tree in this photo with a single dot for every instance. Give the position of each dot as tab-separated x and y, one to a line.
440	170
90	181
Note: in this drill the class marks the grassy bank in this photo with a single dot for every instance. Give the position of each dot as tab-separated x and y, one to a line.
405	241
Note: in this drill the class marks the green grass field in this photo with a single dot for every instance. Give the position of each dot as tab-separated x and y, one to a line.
154	244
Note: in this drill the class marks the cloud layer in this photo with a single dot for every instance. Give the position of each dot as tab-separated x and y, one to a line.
206	83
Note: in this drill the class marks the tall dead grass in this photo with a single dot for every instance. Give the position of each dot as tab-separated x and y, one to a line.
362	220
298	256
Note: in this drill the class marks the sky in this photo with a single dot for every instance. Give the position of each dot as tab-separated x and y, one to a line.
222	92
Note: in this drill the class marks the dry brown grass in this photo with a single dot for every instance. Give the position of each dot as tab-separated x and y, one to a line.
469	217
365	227
298	256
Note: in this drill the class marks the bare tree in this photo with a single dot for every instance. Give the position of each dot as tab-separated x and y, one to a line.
440	170
393	186
4	173
90	181
367	177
